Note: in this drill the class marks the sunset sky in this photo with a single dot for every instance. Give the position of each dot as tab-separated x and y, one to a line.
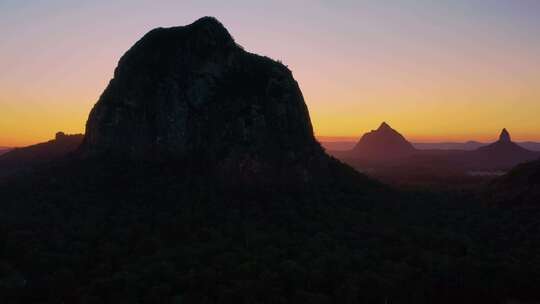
434	70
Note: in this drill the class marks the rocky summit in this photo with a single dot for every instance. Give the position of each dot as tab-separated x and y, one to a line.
191	92
505	136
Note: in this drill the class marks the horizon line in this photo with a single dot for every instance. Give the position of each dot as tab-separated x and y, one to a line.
340	138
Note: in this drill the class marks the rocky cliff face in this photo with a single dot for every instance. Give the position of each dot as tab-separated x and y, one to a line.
191	92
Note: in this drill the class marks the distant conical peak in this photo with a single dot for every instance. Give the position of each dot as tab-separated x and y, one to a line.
505	136
384	142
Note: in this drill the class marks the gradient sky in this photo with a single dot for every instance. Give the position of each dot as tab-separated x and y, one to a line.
434	70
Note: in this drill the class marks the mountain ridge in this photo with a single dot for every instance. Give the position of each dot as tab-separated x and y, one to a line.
49	151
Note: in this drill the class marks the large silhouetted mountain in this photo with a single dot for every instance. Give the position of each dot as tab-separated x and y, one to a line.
40	153
521	186
191	89
503	153
190	93
383	143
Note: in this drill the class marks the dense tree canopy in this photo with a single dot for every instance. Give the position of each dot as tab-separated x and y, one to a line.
133	233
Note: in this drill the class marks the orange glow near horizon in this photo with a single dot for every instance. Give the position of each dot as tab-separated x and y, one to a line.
435	72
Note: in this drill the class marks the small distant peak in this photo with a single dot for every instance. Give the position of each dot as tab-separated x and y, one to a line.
505	136
384	126
60	135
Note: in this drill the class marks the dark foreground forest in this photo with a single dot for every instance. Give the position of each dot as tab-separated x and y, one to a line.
154	235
